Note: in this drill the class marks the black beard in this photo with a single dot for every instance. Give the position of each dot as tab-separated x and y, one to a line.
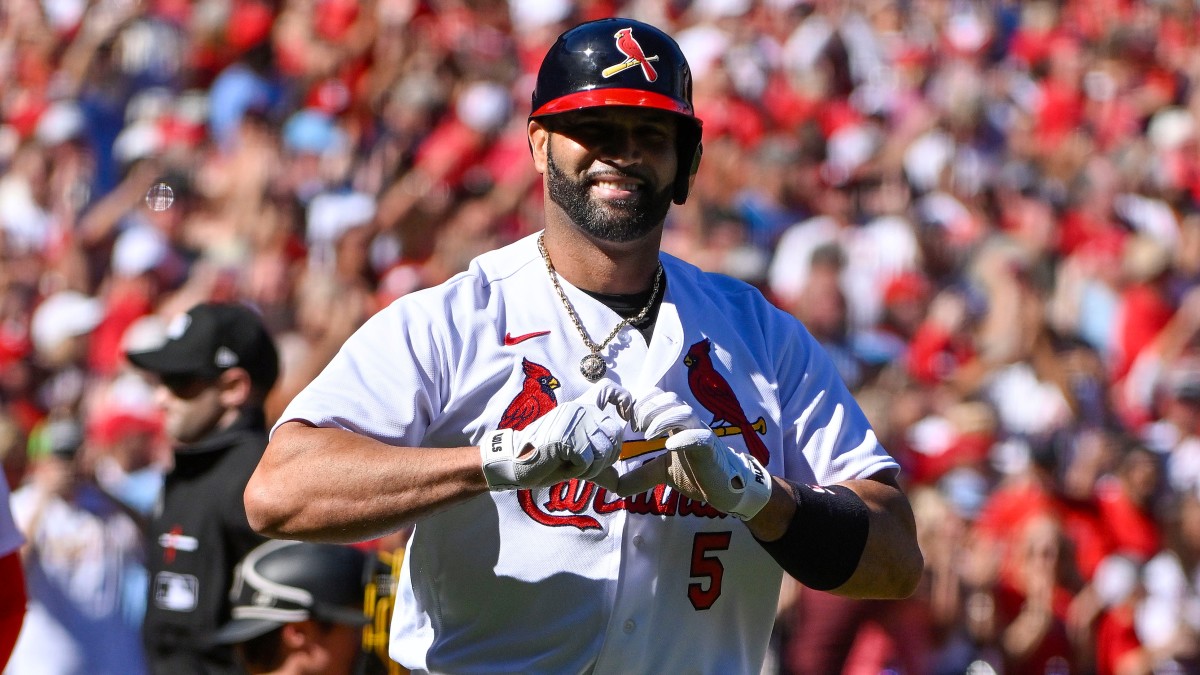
616	221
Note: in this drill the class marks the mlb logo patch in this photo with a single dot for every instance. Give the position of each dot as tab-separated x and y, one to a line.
176	592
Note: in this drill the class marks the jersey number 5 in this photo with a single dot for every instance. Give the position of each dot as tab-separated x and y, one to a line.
704	566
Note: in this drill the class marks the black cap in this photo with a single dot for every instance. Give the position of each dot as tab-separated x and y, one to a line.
283	582
210	339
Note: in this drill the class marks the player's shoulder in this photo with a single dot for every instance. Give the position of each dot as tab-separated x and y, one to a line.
498	265
699	295
715	287
477	285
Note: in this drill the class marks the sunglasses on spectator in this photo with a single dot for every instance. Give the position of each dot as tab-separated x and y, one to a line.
186	386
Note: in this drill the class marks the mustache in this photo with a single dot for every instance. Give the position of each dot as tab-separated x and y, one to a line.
612	173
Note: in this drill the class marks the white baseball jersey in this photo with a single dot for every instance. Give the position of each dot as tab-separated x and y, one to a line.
571	579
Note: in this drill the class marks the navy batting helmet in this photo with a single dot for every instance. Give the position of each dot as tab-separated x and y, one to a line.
622	62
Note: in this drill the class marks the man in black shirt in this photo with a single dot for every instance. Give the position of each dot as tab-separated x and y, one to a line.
213	374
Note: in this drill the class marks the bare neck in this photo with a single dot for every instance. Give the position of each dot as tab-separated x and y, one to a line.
601	266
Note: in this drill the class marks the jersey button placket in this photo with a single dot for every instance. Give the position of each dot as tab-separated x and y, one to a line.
640	566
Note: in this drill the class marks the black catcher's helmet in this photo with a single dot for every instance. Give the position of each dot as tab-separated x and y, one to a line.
284	581
625	63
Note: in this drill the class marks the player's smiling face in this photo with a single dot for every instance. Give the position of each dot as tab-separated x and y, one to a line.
610	169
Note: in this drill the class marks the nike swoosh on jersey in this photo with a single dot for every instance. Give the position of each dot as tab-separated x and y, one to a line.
510	339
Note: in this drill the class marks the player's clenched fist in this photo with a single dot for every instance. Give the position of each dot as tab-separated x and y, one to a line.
574	440
697	463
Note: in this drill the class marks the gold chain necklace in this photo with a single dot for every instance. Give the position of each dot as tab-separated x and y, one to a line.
592	366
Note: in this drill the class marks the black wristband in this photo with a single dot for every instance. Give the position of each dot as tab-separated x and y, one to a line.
826	538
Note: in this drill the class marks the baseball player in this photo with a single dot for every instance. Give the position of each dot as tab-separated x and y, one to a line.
610	457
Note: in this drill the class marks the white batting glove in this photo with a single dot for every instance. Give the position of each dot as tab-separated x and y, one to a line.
697	463
602	394
574	440
605	393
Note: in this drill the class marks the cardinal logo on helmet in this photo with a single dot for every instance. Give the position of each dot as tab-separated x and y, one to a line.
634	56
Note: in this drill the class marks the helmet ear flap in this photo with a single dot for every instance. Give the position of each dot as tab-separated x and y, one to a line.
690	150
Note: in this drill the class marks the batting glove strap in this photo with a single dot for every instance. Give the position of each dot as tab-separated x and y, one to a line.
499	456
707	469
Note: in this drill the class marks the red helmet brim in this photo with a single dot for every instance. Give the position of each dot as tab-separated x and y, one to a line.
602	97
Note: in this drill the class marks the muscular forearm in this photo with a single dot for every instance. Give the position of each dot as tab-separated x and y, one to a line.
890	564
333	485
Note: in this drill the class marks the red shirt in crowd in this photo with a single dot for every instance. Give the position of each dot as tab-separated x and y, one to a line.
1115	639
1135	532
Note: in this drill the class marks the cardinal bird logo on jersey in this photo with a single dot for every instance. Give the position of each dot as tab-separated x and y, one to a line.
567	504
634	56
714	393
536	397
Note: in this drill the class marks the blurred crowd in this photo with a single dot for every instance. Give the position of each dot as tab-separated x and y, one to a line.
988	212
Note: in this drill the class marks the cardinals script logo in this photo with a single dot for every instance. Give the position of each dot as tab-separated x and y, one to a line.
634	57
569	502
